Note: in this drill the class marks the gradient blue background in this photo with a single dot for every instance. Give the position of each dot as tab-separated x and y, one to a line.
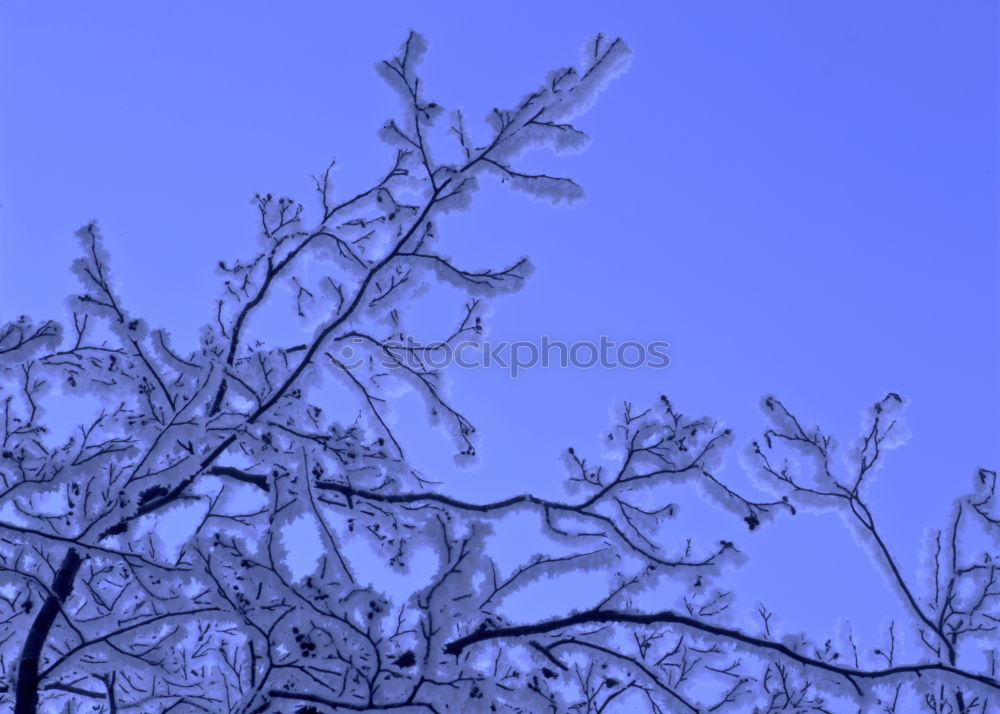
800	197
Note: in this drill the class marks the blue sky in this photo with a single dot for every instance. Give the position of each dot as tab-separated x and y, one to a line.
799	197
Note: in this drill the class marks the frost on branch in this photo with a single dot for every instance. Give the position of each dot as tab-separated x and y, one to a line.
148	559
162	514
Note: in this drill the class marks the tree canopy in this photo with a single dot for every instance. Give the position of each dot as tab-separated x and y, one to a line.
148	558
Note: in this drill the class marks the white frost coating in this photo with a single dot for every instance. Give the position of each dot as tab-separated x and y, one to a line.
100	294
51	502
893	432
23	338
303	546
398	74
11	515
568	93
478	282
288	557
161	345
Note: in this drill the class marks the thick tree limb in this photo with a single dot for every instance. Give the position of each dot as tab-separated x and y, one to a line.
27	669
597	617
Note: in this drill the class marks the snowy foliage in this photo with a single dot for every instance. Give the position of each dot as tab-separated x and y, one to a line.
204	540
